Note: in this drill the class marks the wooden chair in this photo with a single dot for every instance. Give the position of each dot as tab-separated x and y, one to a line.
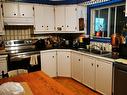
13	73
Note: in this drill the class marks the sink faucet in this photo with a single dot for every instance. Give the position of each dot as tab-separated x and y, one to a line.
93	47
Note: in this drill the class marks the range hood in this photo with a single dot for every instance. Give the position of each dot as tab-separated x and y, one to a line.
18	21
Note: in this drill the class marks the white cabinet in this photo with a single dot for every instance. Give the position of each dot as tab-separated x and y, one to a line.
71	18
26	10
103	77
2	32
64	63
77	66
3	65
18	14
60	18
48	63
98	75
44	19
18	10
66	18
89	72
10	9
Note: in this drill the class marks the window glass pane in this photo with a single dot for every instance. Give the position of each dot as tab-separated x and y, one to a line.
104	15
120	19
112	18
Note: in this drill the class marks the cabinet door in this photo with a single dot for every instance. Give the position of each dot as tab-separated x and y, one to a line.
10	9
60	18
48	63
71	18
48	18
77	66
3	65
39	18
64	64
103	77
89	72
26	10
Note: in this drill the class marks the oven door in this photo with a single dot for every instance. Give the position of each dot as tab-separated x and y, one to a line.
22	61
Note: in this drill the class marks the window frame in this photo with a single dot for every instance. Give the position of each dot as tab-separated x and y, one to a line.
92	18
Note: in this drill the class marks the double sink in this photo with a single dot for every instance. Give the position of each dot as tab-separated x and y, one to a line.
97	52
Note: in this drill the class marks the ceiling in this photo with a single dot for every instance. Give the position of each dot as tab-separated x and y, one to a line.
51	2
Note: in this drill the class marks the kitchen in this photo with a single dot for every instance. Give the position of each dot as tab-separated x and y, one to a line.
64	39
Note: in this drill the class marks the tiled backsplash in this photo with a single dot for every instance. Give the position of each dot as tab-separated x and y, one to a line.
17	32
105	46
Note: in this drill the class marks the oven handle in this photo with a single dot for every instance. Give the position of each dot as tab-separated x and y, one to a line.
22	56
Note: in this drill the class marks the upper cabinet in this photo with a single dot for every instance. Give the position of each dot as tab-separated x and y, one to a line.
2	32
44	19
18	14
60	18
67	18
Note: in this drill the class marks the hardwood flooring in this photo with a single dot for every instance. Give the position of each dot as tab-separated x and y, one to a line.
76	87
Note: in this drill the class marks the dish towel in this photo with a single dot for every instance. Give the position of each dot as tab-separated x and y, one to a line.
33	60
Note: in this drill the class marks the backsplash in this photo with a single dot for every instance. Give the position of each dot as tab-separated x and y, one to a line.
17	32
105	46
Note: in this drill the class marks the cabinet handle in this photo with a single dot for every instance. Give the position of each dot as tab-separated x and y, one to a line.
78	59
92	64
67	26
47	26
14	14
67	56
97	65
22	14
62	26
42	26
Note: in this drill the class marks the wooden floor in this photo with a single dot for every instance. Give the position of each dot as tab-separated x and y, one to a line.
76	87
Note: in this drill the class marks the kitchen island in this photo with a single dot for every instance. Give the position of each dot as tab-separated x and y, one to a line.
40	84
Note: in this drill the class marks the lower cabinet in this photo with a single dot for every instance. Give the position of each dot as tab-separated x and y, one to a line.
98	75
89	72
56	63
48	63
64	63
77	66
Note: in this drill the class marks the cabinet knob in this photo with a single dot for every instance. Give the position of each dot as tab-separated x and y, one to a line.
78	59
62	26
97	65
47	26
67	26
52	56
42	26
14	14
92	64
67	56
22	14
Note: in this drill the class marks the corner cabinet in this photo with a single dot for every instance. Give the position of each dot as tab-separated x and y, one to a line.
64	63
98	75
48	63
2	31
44	19
66	18
77	66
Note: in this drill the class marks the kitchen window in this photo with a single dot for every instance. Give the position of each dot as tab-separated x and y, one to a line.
108	20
